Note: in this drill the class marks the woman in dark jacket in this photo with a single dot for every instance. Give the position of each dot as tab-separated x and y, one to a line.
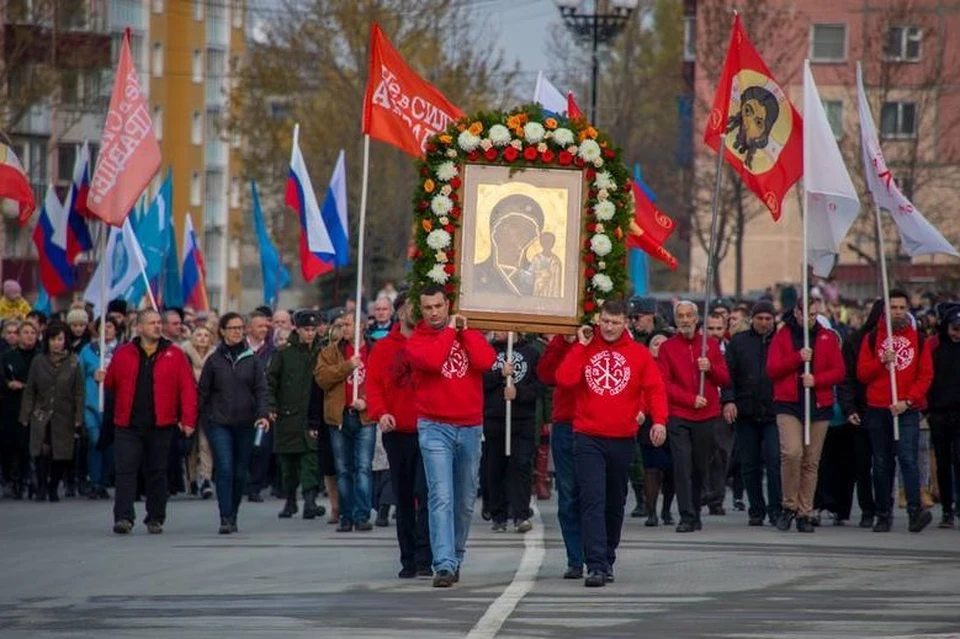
14	437
233	404
53	409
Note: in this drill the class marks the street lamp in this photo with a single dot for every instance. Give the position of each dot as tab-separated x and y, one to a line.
599	22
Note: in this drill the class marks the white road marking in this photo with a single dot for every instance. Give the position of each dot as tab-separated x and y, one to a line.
523	581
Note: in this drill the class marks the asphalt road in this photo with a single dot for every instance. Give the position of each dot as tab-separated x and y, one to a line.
63	574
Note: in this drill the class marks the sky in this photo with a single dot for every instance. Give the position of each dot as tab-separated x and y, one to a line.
520	28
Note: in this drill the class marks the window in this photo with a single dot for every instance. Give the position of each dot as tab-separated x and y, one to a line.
198	9
903	44
136	49
158	6
69	87
828	43
898	120
156	66
689	38
195	189
905	182
196	129
236	13
66	158
834	109
197	65
235	193
157	117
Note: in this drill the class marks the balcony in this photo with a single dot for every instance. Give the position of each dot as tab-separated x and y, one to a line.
34	43
215	153
215	91
127	13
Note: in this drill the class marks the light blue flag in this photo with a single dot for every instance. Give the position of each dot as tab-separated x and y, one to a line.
639	260
170	294
43	300
153	231
275	274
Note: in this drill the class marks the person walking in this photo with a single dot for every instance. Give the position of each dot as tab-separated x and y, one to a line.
14	436
657	462
198	349
232	405
93	414
449	360
154	395
261	340
943	400
616	382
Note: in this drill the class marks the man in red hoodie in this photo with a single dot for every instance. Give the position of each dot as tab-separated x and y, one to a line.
615	381
693	415
914	374
390	382
449	360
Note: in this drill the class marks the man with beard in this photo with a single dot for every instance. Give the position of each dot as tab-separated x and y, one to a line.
944	403
914	373
693	413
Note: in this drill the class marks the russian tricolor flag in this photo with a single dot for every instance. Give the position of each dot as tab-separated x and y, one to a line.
334	215
316	248
550	98
193	278
78	231
50	238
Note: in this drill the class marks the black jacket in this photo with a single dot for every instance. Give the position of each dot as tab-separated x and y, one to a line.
944	393
751	389
529	388
14	367
232	389
851	394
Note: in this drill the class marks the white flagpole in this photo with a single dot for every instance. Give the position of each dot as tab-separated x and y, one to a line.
885	284
711	254
804	323
361	231
508	415
103	308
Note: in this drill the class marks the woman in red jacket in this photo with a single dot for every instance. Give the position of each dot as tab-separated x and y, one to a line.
785	364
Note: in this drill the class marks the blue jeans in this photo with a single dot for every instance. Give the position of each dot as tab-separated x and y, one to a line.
353	446
568	493
231	447
759	447
92	422
451	460
879	424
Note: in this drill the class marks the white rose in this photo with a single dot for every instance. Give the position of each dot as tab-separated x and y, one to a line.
441	205
446	190
468	141
444	220
590	151
438	274
600	244
500	135
442	257
602	283
563	137
573	149
541	147
604	180
451	153
602	194
517	144
598	162
601	265
438	239
533	132
599	228
486	144
604	210
447	171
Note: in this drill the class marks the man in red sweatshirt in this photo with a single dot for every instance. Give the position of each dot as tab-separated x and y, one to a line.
615	381
390	382
449	361
914	374
693	414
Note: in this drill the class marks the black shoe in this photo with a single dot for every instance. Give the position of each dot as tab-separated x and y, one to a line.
609	577
456	576
639	511
686	526
866	521
839	522
364	526
805	525
738	505
233	524
383	516
946	521
443	579
815	519
595	579
919	519
312	510
290	508
206	489
54	496
667	518
224	526
71	491
345	526
717	510
698	524
154	527
194	488
652	521
883	523
407	573
573	572
254	497
499	526
123	527
755	520
486	515
786	520
425	572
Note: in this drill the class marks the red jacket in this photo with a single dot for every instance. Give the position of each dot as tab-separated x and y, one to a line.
784	366
612	383
174	387
449	366
564	399
390	382
914	368
678	364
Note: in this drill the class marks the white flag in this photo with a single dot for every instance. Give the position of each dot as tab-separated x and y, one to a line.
918	235
548	96
120	266
831	200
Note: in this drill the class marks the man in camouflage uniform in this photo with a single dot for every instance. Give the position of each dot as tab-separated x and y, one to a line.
293	397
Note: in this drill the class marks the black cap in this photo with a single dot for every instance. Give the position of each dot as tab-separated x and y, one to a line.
117	306
721	303
643	306
763	306
307	319
952	318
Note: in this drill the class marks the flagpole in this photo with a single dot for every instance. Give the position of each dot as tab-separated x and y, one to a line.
360	232
805	321
508	415
103	311
711	253
153	301
885	288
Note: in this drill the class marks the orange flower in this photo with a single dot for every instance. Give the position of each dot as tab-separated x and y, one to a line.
476	128
517	121
428	186
589	132
427	225
461	128
619	233
446	139
550	123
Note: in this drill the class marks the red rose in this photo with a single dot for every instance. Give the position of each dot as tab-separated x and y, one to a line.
530	153
424	205
455	212
490	154
450	288
589	258
424	171
588	273
473	156
417	254
449	268
511	154
588	306
431	148
592	226
578	162
451	253
547	156
591	174
565	158
448	228
609	154
592	193
455	183
454	197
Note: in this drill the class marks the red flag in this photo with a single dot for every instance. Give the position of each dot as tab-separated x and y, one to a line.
650	228
400	107
762	131
573	109
129	154
14	184
640	240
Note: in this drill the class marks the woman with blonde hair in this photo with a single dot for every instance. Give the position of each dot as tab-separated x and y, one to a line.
200	460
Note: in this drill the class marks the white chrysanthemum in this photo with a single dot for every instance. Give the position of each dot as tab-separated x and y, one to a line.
468	141
563	137
602	283
601	244
441	205
533	132
604	210
438	239
438	274
447	171
590	150
500	135
604	181
486	144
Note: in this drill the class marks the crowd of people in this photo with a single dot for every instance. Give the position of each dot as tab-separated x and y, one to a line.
797	414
